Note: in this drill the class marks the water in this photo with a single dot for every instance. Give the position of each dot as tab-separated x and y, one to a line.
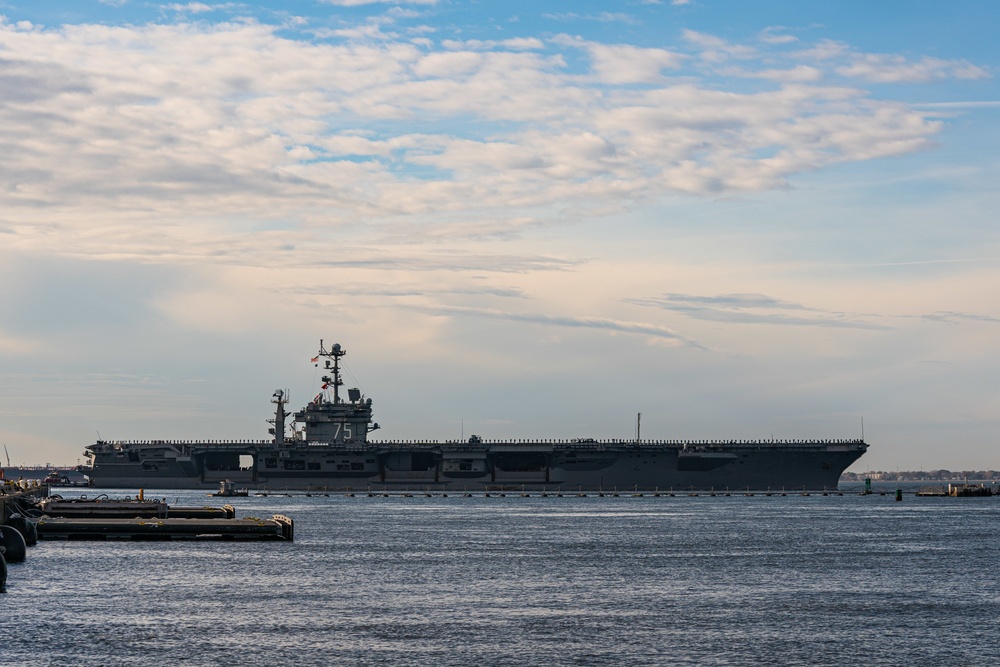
528	581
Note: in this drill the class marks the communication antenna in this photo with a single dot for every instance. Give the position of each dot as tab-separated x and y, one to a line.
335	353
638	425
862	428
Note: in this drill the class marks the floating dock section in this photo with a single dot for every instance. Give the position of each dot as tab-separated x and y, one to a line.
278	527
83	508
103	518
96	508
969	490
15	499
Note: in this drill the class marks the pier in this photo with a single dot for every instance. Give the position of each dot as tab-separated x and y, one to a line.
104	518
103	507
14	498
278	527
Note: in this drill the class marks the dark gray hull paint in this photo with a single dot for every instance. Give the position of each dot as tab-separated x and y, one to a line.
753	466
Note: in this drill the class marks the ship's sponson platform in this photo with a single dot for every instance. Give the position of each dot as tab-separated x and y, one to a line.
278	527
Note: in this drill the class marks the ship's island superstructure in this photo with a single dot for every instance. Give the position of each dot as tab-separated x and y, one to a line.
330	450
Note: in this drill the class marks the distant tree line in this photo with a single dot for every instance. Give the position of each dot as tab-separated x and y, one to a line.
923	475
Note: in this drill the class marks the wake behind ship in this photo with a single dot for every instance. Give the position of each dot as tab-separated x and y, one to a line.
328	449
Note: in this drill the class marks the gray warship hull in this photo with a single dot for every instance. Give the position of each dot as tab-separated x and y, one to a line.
328	448
575	465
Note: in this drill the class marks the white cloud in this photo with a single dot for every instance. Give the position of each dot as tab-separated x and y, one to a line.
619	63
514	44
448	64
600	17
826	49
883	68
358	3
757	309
547	319
776	35
715	49
798	74
192	7
234	120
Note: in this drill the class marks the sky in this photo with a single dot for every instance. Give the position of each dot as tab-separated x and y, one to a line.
739	219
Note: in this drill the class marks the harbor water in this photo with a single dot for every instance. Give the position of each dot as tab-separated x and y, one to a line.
684	580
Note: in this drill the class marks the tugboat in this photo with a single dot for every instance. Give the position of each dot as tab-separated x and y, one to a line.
56	479
228	490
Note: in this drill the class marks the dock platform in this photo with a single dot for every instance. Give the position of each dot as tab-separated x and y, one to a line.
95	508
13	500
278	527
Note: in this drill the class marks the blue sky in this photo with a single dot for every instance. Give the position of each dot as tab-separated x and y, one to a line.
521	219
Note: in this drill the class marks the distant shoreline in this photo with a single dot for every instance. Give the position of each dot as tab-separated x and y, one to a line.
942	476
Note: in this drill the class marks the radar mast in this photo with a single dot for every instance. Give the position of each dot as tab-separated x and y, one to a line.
280	399
335	353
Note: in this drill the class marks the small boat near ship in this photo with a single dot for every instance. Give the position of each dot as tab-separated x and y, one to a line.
228	490
328	449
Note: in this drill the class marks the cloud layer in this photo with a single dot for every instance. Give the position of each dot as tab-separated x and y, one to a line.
236	126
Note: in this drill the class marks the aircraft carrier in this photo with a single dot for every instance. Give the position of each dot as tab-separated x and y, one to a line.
327	448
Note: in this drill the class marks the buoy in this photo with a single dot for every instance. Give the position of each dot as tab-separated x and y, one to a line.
26	527
14	543
899	495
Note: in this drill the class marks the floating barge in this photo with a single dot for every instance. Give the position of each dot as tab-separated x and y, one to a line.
104	518
969	490
957	491
97	508
278	527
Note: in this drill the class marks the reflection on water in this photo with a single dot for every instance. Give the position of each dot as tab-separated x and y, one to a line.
528	581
